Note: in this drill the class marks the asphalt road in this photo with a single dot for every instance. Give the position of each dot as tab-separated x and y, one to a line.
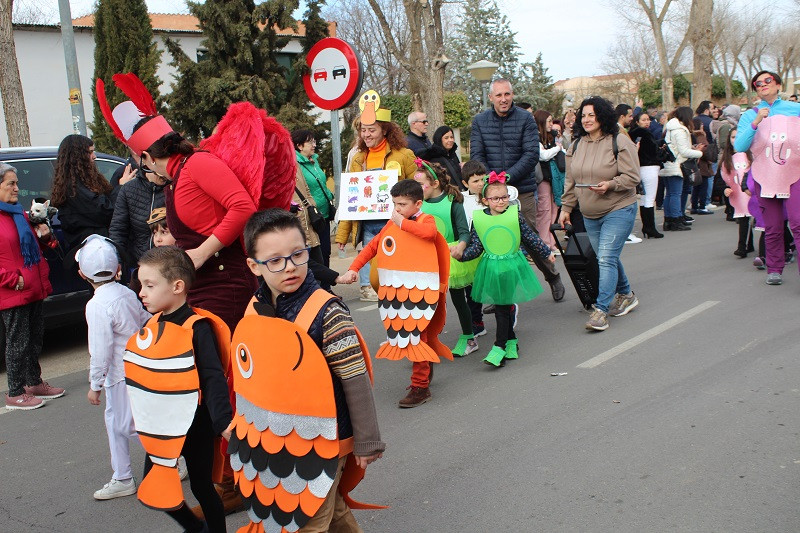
682	416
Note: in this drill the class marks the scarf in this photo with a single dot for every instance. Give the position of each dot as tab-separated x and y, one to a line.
27	242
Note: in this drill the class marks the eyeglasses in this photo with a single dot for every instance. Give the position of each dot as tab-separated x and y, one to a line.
423	121
278	264
765	81
498	199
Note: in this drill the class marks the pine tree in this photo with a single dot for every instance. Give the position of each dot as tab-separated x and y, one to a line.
240	63
123	38
535	86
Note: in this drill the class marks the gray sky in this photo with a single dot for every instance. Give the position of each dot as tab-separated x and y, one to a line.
573	35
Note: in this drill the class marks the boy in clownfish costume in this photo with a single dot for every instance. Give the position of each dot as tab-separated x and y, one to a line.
413	268
175	370
305	426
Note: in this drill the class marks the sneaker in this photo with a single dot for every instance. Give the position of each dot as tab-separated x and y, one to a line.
460	349
415	397
511	349
488	310
774	278
758	262
495	357
368	294
23	402
702	212
44	391
183	472
557	289
472	346
711	207
116	489
598	321
687	219
632	239
478	329
623	304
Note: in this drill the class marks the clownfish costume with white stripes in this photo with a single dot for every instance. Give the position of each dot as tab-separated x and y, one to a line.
164	390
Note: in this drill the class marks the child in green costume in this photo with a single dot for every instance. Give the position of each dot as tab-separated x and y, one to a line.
445	203
503	276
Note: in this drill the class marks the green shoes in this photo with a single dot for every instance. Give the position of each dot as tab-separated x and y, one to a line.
511	349
460	349
495	356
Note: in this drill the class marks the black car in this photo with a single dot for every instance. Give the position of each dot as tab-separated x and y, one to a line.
35	168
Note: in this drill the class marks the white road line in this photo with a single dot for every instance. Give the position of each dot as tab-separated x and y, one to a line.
647	335
371	307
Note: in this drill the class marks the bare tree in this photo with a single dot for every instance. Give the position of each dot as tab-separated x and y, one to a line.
425	60
731	35
750	58
33	12
10	83
784	51
700	34
633	54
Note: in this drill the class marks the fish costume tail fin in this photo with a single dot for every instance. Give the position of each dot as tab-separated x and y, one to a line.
351	477
161	488
414	353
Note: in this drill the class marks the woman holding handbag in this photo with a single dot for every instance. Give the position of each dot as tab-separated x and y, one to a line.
679	141
305	144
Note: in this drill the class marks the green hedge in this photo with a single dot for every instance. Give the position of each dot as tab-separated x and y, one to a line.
456	109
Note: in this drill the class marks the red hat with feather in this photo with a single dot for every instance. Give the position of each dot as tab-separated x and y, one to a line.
127	114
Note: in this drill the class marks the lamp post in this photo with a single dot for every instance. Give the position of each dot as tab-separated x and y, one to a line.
483	71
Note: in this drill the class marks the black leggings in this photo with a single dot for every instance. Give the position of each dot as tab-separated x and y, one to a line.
475	308
505	325
459	299
198	450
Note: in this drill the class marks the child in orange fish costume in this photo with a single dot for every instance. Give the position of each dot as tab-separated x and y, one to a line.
175	375
413	269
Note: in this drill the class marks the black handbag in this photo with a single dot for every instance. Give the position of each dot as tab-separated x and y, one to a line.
315	218
691	172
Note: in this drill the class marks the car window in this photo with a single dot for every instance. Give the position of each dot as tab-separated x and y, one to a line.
35	179
107	167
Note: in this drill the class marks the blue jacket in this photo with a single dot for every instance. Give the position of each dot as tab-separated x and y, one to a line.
745	131
509	143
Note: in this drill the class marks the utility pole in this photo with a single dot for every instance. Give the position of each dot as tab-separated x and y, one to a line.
71	60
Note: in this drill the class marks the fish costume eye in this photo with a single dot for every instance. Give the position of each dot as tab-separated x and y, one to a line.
389	246
244	361
144	339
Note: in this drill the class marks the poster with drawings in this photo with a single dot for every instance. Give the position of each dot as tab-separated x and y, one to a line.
365	195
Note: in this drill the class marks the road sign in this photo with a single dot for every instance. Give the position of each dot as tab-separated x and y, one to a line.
335	74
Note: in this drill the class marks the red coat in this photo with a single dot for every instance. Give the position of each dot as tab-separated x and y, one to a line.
37	284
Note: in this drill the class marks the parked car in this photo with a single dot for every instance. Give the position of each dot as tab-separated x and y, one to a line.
35	169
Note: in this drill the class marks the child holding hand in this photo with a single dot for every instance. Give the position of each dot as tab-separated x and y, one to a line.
503	277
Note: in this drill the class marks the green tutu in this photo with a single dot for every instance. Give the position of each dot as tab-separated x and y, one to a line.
504	280
462	274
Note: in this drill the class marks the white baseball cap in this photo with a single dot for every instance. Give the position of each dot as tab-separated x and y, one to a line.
98	259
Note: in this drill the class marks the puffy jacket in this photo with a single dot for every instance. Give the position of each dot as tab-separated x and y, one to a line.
679	141
135	201
509	143
12	266
317	183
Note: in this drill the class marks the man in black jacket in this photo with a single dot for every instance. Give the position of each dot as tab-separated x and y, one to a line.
506	138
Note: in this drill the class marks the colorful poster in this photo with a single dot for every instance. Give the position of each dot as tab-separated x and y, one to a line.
365	195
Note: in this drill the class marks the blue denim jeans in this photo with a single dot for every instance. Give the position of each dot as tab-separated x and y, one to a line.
607	235
672	199
687	189
370	228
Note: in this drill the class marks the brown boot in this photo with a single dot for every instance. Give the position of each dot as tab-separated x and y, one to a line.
231	499
416	396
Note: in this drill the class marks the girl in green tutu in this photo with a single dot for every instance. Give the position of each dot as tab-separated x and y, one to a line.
445	203
503	277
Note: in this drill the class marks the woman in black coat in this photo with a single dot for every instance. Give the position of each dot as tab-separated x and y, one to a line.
649	166
445	152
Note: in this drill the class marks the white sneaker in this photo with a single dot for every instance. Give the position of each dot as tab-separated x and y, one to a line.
367	294
710	207
632	239
182	470
116	489
472	346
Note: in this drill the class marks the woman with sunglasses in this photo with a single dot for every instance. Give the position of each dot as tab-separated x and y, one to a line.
604	183
768	86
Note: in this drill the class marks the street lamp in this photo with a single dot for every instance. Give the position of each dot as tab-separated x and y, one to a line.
483	71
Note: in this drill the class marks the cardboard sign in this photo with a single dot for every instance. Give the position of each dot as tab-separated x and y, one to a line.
365	195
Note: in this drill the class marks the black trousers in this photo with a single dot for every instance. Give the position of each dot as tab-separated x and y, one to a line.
198	450
24	327
475	308
505	325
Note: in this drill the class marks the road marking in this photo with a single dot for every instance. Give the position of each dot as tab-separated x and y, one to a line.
647	335
371	307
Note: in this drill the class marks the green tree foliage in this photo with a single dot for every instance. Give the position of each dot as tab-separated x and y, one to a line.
457	113
239	63
535	86
650	92
123	42
718	87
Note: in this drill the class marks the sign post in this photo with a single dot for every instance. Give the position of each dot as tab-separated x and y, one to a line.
333	81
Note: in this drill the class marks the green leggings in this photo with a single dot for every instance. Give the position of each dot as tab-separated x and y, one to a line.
459	299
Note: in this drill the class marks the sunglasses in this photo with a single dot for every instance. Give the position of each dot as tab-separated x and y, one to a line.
764	82
423	121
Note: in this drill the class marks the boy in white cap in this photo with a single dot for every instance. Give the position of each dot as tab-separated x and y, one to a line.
113	315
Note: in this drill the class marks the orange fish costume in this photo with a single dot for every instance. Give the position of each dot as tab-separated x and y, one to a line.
413	269
284	446
164	390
